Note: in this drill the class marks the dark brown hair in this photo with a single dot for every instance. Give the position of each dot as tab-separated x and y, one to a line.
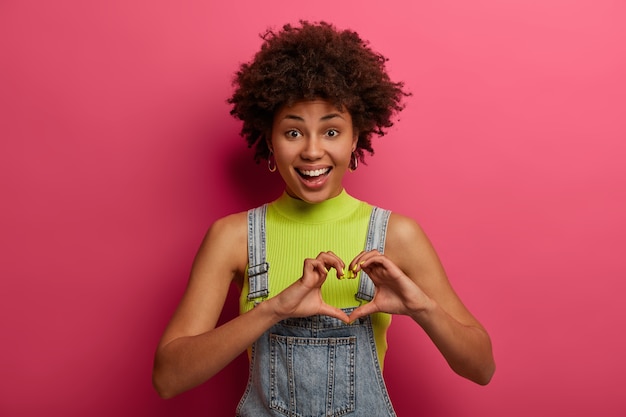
315	60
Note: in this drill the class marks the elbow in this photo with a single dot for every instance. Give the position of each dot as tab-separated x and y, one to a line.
165	395
163	377
162	385
162	390
480	374
485	374
485	378
485	367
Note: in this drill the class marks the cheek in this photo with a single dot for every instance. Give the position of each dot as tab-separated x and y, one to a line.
344	152
283	155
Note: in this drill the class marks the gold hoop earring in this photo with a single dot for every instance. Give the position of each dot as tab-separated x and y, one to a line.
354	162
270	167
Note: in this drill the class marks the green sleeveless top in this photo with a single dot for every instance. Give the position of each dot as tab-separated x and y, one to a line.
296	230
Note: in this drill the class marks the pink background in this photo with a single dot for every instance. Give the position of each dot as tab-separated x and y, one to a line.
117	152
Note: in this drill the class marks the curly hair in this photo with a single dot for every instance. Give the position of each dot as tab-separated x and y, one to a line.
315	60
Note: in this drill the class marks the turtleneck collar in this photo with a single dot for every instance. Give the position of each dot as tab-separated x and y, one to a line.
303	212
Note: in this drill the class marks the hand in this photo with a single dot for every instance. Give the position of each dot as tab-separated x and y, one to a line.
395	293
303	298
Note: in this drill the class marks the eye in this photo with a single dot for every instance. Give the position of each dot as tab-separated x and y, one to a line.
331	133
292	134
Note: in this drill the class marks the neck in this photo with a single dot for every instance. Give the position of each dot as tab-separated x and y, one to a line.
326	210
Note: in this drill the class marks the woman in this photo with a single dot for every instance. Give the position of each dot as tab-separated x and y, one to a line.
320	272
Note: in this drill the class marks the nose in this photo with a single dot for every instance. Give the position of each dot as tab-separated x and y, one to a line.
313	149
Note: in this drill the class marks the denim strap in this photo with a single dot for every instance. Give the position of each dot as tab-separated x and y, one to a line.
376	234
257	261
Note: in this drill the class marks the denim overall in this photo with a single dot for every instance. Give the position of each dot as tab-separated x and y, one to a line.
314	366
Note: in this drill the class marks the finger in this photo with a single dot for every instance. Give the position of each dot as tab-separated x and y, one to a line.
364	258
337	313
314	273
368	262
355	262
381	265
331	260
362	311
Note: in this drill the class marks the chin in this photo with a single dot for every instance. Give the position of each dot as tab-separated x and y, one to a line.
317	197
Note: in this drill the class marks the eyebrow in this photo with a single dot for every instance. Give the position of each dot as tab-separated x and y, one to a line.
323	118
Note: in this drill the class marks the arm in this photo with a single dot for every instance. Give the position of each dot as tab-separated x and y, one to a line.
192	349
410	280
181	360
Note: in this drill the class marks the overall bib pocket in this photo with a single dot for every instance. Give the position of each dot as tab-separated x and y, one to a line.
312	377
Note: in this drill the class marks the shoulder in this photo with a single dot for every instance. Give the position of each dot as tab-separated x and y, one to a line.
402	229
231	226
406	242
228	230
225	243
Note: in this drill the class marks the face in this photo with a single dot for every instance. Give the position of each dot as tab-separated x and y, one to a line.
313	142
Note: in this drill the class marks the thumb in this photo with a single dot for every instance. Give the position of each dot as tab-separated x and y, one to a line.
362	311
335	312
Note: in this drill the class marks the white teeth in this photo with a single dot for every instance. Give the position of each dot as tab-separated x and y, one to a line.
315	172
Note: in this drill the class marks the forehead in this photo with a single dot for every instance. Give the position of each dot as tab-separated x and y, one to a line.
311	110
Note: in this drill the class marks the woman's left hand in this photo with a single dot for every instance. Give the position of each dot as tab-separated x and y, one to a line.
395	293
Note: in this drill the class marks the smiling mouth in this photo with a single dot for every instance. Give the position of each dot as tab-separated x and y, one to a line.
314	173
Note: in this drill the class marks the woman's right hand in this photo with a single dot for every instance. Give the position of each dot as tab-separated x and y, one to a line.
303	298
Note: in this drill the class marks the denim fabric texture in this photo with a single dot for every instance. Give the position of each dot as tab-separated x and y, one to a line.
316	367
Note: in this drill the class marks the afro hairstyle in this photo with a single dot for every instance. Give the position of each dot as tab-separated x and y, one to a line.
315	61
